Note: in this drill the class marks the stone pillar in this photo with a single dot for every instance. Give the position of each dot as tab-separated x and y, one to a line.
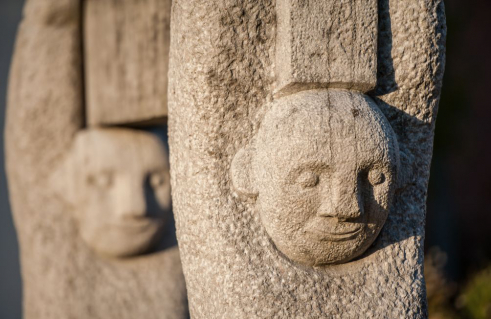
90	204
328	44
127	57
300	161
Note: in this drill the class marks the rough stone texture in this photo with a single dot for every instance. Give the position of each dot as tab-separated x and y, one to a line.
63	277
127	56
327	43
221	86
323	169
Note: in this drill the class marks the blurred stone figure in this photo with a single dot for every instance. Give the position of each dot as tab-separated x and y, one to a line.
119	185
91	204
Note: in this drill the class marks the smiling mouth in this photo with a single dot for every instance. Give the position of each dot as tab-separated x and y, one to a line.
137	224
329	230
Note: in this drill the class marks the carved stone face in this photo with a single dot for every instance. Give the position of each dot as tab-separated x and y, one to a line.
323	168
120	188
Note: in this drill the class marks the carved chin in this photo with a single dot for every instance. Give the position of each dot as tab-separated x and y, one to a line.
124	239
316	246
337	252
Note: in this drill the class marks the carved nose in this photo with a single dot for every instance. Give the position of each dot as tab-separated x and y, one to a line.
343	203
131	199
342	212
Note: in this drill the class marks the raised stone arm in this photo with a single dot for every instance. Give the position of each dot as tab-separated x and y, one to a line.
90	204
301	137
326	44
127	58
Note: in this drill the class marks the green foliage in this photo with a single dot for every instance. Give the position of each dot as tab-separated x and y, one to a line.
451	300
439	289
475	299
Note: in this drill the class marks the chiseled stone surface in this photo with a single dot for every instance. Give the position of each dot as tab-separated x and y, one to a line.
221	89
328	43
323	170
126	46
63	277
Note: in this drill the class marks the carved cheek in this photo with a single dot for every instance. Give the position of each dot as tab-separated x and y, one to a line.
100	198
381	196
305	205
98	206
159	183
287	210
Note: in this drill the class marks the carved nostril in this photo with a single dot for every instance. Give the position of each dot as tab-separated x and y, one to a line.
133	214
325	214
343	200
340	214
349	207
137	206
346	215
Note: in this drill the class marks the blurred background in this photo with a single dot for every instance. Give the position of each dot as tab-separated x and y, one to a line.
458	234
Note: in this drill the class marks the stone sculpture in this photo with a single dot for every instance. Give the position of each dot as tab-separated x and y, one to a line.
118	182
258	88
90	202
323	167
126	45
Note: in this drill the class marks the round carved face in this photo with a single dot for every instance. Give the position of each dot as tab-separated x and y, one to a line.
323	167
121	189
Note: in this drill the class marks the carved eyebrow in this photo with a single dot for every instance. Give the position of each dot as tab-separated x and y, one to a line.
371	164
315	166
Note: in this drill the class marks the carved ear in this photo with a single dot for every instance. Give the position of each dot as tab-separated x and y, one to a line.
241	172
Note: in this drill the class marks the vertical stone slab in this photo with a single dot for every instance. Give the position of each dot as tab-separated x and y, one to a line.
221	109
126	57
62	276
326	44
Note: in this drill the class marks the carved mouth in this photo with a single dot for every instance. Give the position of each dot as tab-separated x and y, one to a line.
137	224
331	230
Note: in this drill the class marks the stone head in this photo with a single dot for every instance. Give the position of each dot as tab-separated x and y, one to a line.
118	182
322	170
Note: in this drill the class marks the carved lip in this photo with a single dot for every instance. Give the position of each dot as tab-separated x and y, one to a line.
327	230
137	224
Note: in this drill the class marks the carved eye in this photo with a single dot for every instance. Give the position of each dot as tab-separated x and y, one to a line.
158	179
376	177
100	180
308	179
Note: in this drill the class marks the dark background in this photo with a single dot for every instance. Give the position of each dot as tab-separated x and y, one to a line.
10	284
458	240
